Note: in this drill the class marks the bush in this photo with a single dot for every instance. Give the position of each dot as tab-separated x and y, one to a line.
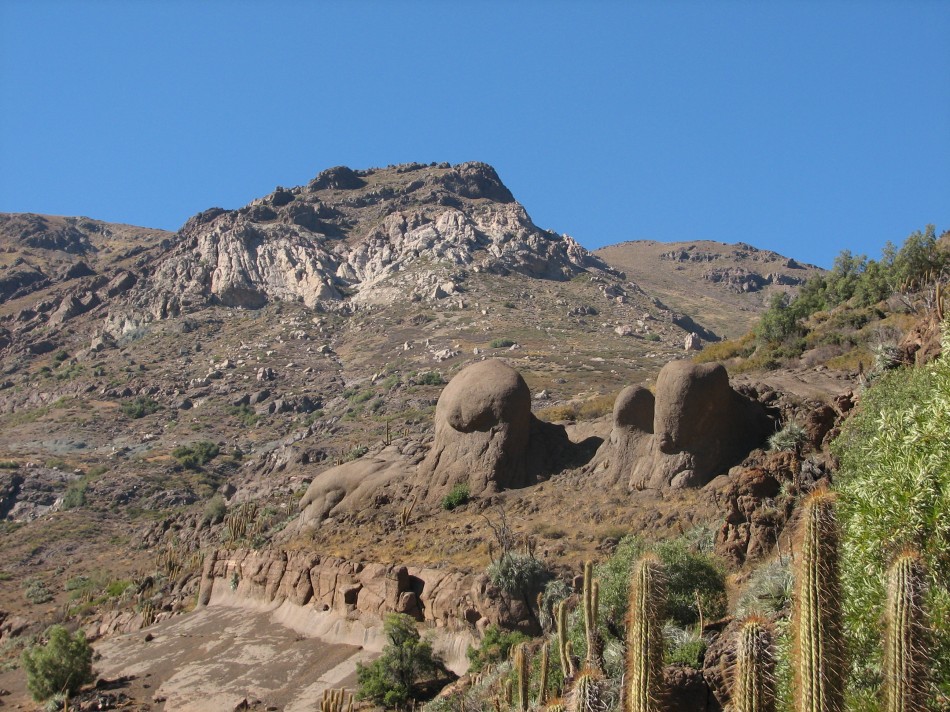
788	438
494	648
392	679
429	378
140	407
894	485
683	646
215	510
519	575
37	592
501	343
196	455
456	498
63	665
245	414
75	495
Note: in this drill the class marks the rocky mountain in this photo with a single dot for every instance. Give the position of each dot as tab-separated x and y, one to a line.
272	377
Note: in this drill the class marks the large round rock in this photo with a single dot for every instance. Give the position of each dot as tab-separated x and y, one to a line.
482	429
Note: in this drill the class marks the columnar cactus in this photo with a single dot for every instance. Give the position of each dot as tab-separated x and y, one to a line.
645	636
754	681
591	596
567	666
905	650
818	658
523	669
543	682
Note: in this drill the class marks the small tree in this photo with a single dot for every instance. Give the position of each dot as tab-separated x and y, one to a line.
393	678
63	665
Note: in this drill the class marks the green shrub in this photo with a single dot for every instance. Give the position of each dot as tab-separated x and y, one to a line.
116	588
692	574
37	592
494	647
60	356
684	646
429	378
501	343
894	485
75	495
196	455
456	498
393	678
9	465
139	407
245	414
63	665
652	337
215	510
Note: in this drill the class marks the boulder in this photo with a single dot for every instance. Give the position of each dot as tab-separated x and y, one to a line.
695	428
486	437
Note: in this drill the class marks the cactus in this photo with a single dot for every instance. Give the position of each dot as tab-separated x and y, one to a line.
555	706
905	653
523	668
587	694
591	599
645	636
818	657
567	667
507	693
543	682
406	513
753	687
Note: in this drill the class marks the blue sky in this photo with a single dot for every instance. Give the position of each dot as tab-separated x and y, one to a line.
804	127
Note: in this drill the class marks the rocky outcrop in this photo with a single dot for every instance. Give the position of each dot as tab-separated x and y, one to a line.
348	230
363	591
696	427
486	437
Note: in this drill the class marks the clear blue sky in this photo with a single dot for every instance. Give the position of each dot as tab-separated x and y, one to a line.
805	127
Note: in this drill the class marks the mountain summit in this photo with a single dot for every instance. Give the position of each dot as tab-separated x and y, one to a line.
347	232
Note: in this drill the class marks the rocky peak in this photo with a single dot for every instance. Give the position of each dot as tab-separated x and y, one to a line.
348	232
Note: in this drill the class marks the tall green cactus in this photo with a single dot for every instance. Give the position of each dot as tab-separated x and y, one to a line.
905	648
563	644
543	682
645	635
523	668
753	687
591	602
818	657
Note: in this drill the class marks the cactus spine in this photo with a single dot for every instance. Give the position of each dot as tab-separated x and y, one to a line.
905	654
819	646
754	682
587	695
522	666
645	636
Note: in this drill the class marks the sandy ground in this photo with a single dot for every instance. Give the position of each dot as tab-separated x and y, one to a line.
216	657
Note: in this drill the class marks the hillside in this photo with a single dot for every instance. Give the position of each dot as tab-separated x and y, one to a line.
725	286
180	396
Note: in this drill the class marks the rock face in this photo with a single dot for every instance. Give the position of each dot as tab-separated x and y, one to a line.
486	436
441	597
347	230
696	427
